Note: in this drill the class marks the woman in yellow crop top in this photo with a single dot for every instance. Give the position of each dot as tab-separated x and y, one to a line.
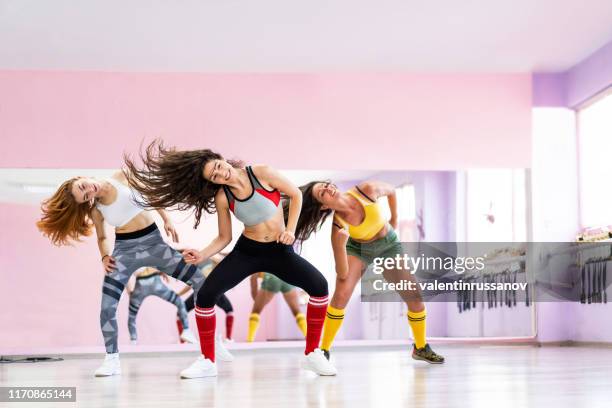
360	233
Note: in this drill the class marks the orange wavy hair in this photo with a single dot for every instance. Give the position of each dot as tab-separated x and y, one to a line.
63	219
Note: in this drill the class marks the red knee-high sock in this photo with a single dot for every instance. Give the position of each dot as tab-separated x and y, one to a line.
205	318
229	325
315	316
179	326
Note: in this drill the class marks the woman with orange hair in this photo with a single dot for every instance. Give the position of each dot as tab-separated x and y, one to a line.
83	204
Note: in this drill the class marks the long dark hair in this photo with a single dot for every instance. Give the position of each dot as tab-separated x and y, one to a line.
172	178
312	215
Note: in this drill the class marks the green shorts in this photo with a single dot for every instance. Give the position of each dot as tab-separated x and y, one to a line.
273	284
386	247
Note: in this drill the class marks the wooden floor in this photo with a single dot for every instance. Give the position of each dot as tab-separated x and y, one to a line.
474	376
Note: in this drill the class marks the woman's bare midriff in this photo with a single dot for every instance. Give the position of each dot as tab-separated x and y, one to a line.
141	221
267	231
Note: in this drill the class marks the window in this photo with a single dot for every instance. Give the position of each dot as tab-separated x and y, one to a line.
496	206
595	162
408	225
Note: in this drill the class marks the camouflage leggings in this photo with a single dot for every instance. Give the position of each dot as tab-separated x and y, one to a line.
152	285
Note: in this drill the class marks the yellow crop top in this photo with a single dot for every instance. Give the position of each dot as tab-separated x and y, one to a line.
372	223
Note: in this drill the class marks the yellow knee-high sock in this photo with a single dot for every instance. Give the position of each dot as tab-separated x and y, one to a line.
416	320
333	321
300	319
253	325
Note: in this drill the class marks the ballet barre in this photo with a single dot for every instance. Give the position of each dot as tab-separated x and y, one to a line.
504	261
578	247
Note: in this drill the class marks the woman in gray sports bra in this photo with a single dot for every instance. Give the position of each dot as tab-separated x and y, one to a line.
203	181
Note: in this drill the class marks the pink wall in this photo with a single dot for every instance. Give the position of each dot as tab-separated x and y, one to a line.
452	121
292	121
49	295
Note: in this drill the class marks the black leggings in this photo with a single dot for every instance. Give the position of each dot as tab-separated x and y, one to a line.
223	302
249	257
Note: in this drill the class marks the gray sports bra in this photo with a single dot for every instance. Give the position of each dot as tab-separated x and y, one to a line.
260	206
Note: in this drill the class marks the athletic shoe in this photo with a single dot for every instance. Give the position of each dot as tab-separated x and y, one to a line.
188	337
426	354
200	368
111	366
316	362
134	342
221	353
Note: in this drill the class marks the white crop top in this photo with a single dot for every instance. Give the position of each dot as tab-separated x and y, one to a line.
124	208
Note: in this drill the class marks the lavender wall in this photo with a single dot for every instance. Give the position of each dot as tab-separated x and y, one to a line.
589	77
555	184
576	85
585	80
549	89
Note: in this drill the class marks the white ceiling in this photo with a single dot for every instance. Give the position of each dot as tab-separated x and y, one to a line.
301	36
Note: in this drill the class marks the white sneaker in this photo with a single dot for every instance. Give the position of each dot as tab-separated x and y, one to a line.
188	337
221	352
111	366
134	342
202	367
317	363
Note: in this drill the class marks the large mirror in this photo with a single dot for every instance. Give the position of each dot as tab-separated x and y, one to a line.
433	206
